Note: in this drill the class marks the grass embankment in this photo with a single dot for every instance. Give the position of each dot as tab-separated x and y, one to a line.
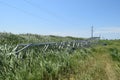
100	62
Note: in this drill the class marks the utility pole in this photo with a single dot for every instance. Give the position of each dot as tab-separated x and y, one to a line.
92	32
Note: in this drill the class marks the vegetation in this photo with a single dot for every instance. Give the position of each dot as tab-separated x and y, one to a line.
98	62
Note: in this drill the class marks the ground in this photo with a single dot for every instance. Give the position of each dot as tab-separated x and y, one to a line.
99	66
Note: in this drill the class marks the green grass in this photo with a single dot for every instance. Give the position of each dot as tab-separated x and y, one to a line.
98	62
38	66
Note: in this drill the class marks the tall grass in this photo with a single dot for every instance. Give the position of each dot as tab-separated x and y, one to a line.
34	64
38	66
55	64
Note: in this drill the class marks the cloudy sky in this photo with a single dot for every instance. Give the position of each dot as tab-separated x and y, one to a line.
61	17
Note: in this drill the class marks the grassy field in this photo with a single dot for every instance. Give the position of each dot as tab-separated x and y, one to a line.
98	62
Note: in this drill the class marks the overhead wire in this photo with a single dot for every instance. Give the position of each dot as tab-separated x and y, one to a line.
21	10
42	9
54	15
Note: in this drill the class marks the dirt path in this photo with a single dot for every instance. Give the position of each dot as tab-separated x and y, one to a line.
108	63
99	67
110	72
109	69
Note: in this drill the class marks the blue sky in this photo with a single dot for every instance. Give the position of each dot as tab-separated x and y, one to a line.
61	17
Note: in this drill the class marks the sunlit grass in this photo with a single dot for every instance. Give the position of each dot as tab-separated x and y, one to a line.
98	62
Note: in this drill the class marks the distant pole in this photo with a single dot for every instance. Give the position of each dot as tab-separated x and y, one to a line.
100	36
92	32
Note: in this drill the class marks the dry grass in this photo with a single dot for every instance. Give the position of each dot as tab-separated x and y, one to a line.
99	66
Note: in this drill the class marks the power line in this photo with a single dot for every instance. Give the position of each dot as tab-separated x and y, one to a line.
110	35
43	9
21	10
57	17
